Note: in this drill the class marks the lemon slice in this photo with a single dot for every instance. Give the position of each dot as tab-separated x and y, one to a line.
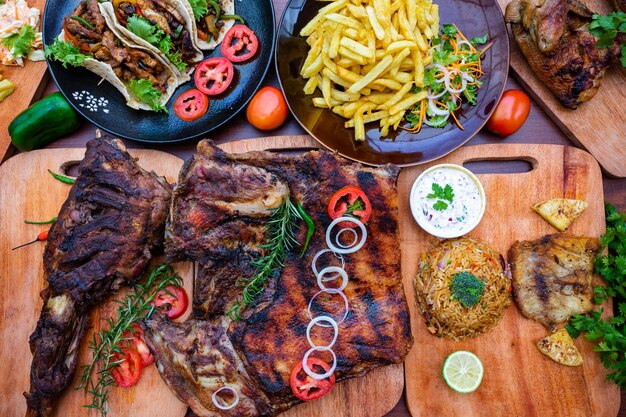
462	371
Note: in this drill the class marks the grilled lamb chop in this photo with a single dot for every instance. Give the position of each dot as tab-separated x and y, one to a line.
106	231
271	339
554	37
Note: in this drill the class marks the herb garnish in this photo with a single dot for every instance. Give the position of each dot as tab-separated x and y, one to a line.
609	335
606	28
155	36
200	8
442	194
105	343
145	91
66	53
281	230
20	43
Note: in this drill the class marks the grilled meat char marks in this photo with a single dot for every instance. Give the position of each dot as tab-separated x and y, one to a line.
272	337
106	231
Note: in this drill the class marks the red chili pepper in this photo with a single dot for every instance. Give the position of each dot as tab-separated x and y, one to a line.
41	237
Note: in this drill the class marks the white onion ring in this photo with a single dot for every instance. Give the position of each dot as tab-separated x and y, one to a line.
463	42
352	249
320	253
342	272
225	407
437	111
308	370
454	90
467	77
354	234
330	291
313	322
433	97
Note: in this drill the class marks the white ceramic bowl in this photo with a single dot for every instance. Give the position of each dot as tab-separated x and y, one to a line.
472	219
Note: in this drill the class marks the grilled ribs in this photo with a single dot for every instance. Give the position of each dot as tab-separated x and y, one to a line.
107	229
218	212
554	37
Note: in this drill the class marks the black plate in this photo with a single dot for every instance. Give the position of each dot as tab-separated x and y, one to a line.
146	126
473	18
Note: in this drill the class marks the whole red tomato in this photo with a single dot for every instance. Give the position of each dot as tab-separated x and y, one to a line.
268	109
510	114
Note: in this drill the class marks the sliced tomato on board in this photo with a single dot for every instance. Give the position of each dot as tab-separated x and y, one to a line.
239	44
307	388
139	344
175	303
127	373
214	75
191	105
350	201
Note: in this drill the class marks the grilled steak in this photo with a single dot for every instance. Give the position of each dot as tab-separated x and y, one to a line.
219	209
106	231
552	277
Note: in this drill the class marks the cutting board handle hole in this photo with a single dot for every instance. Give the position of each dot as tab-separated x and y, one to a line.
70	168
501	165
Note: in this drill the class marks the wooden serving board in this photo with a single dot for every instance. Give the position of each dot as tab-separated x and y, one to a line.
518	379
29	80
27	192
599	125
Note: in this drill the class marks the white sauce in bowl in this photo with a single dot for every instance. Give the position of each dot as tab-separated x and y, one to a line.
447	201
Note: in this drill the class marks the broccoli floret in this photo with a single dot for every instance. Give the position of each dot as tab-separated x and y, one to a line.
467	288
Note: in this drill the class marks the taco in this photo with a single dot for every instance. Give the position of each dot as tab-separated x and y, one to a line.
146	80
212	19
164	26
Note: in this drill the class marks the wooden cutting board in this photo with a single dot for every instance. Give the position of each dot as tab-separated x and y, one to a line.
518	379
27	192
599	125
29	80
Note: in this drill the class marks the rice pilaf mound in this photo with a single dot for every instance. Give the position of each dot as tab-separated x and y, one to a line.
445	315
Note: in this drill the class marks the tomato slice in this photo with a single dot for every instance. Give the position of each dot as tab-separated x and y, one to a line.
127	373
175	303
138	343
191	105
239	44
214	75
350	201
306	388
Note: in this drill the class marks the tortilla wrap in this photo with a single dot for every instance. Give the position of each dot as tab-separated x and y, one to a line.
108	12
106	72
228	7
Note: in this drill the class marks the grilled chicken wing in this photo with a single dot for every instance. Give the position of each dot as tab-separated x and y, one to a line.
552	277
554	37
106	231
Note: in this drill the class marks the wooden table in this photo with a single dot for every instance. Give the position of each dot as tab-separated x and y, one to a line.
537	129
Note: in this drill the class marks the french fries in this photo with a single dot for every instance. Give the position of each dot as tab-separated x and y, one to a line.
366	56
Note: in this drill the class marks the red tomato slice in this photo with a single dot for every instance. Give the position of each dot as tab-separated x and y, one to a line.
139	344
307	388
127	373
214	75
244	46
350	201
174	305
191	105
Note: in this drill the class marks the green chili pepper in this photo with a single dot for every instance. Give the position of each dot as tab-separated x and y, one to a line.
217	8
233	17
45	222
310	224
83	21
62	178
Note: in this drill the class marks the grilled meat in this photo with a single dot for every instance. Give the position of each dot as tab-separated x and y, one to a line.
552	277
220	195
106	231
554	37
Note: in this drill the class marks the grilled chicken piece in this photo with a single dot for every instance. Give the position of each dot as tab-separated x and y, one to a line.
106	231
554	37
552	277
271	339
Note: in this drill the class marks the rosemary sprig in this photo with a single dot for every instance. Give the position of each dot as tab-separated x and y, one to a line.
281	230
96	378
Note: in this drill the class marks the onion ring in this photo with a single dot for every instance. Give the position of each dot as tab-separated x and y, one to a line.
352	249
330	291
225	407
437	111
308	370
342	272
313	322
320	253
354	241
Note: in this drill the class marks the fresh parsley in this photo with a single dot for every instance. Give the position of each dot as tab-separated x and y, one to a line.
444	195
145	91
479	40
609	335
20	43
155	36
66	53
606	28
449	30
200	8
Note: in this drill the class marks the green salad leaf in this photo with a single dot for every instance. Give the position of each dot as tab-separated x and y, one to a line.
65	52
20	43
145	91
155	36
200	8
